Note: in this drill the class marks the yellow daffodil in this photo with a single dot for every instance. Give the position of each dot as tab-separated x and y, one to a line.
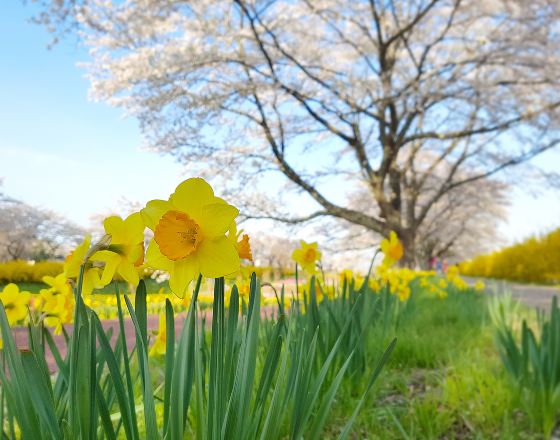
190	235
459	283
403	293
15	303
244	289
57	308
92	279
126	250
374	285
159	346
345	275
479	286
306	256
440	293
56	302
58	284
452	272
392	249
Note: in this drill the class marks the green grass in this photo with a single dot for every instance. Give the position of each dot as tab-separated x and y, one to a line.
444	379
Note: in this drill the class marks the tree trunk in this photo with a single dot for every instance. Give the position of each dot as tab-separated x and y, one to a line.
408	238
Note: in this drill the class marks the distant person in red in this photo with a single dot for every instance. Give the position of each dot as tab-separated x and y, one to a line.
433	263
444	266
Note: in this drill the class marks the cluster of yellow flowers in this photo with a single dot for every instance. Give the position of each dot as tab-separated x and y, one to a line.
308	255
56	302
399	281
439	287
54	305
194	232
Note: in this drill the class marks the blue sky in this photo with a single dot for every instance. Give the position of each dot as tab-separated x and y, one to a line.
62	152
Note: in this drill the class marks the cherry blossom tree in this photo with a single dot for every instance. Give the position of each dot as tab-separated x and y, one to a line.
331	97
28	232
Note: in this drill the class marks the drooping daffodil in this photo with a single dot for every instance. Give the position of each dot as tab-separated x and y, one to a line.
159	346
58	284
306	256
190	235
56	302
125	253
241	242
91	278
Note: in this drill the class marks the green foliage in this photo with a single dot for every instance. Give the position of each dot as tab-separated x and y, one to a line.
443	380
251	378
533	364
535	260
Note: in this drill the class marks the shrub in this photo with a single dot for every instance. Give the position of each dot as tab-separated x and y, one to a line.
20	271
535	260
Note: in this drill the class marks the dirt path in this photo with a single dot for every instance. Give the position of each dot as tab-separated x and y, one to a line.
20	333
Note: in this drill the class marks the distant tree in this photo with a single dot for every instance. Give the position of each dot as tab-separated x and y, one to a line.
27	232
462	224
373	96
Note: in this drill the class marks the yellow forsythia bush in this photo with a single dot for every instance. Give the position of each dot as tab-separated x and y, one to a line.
20	271
536	260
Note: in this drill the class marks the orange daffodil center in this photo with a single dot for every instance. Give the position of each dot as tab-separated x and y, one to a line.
177	235
310	255
190	235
